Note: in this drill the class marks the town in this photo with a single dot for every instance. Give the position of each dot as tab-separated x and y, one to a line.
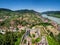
29	22
32	27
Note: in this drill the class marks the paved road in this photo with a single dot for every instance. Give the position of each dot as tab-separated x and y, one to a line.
24	36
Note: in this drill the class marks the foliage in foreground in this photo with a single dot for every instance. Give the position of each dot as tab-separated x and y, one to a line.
11	38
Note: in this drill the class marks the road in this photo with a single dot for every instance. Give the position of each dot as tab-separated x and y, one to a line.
24	36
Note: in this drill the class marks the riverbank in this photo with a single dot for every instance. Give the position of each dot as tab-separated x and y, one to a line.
56	15
57	20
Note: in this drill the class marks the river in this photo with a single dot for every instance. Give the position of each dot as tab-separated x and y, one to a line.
57	20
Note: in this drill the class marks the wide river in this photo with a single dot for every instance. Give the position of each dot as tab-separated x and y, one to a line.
57	20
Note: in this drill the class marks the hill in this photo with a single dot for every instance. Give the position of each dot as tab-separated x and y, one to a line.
14	20
19	17
52	13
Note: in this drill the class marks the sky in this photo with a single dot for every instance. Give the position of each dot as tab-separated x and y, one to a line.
37	5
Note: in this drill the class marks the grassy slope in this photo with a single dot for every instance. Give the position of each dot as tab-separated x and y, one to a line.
18	41
51	41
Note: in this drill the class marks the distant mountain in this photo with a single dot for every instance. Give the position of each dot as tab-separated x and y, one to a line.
51	12
26	11
4	9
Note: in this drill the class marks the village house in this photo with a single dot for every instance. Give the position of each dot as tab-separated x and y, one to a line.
6	17
1	20
12	29
28	40
54	24
58	27
20	27
36	32
2	31
46	20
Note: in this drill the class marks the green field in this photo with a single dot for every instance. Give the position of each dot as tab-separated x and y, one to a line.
52	41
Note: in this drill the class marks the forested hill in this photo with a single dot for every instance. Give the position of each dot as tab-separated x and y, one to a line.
8	12
17	11
53	13
3	9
